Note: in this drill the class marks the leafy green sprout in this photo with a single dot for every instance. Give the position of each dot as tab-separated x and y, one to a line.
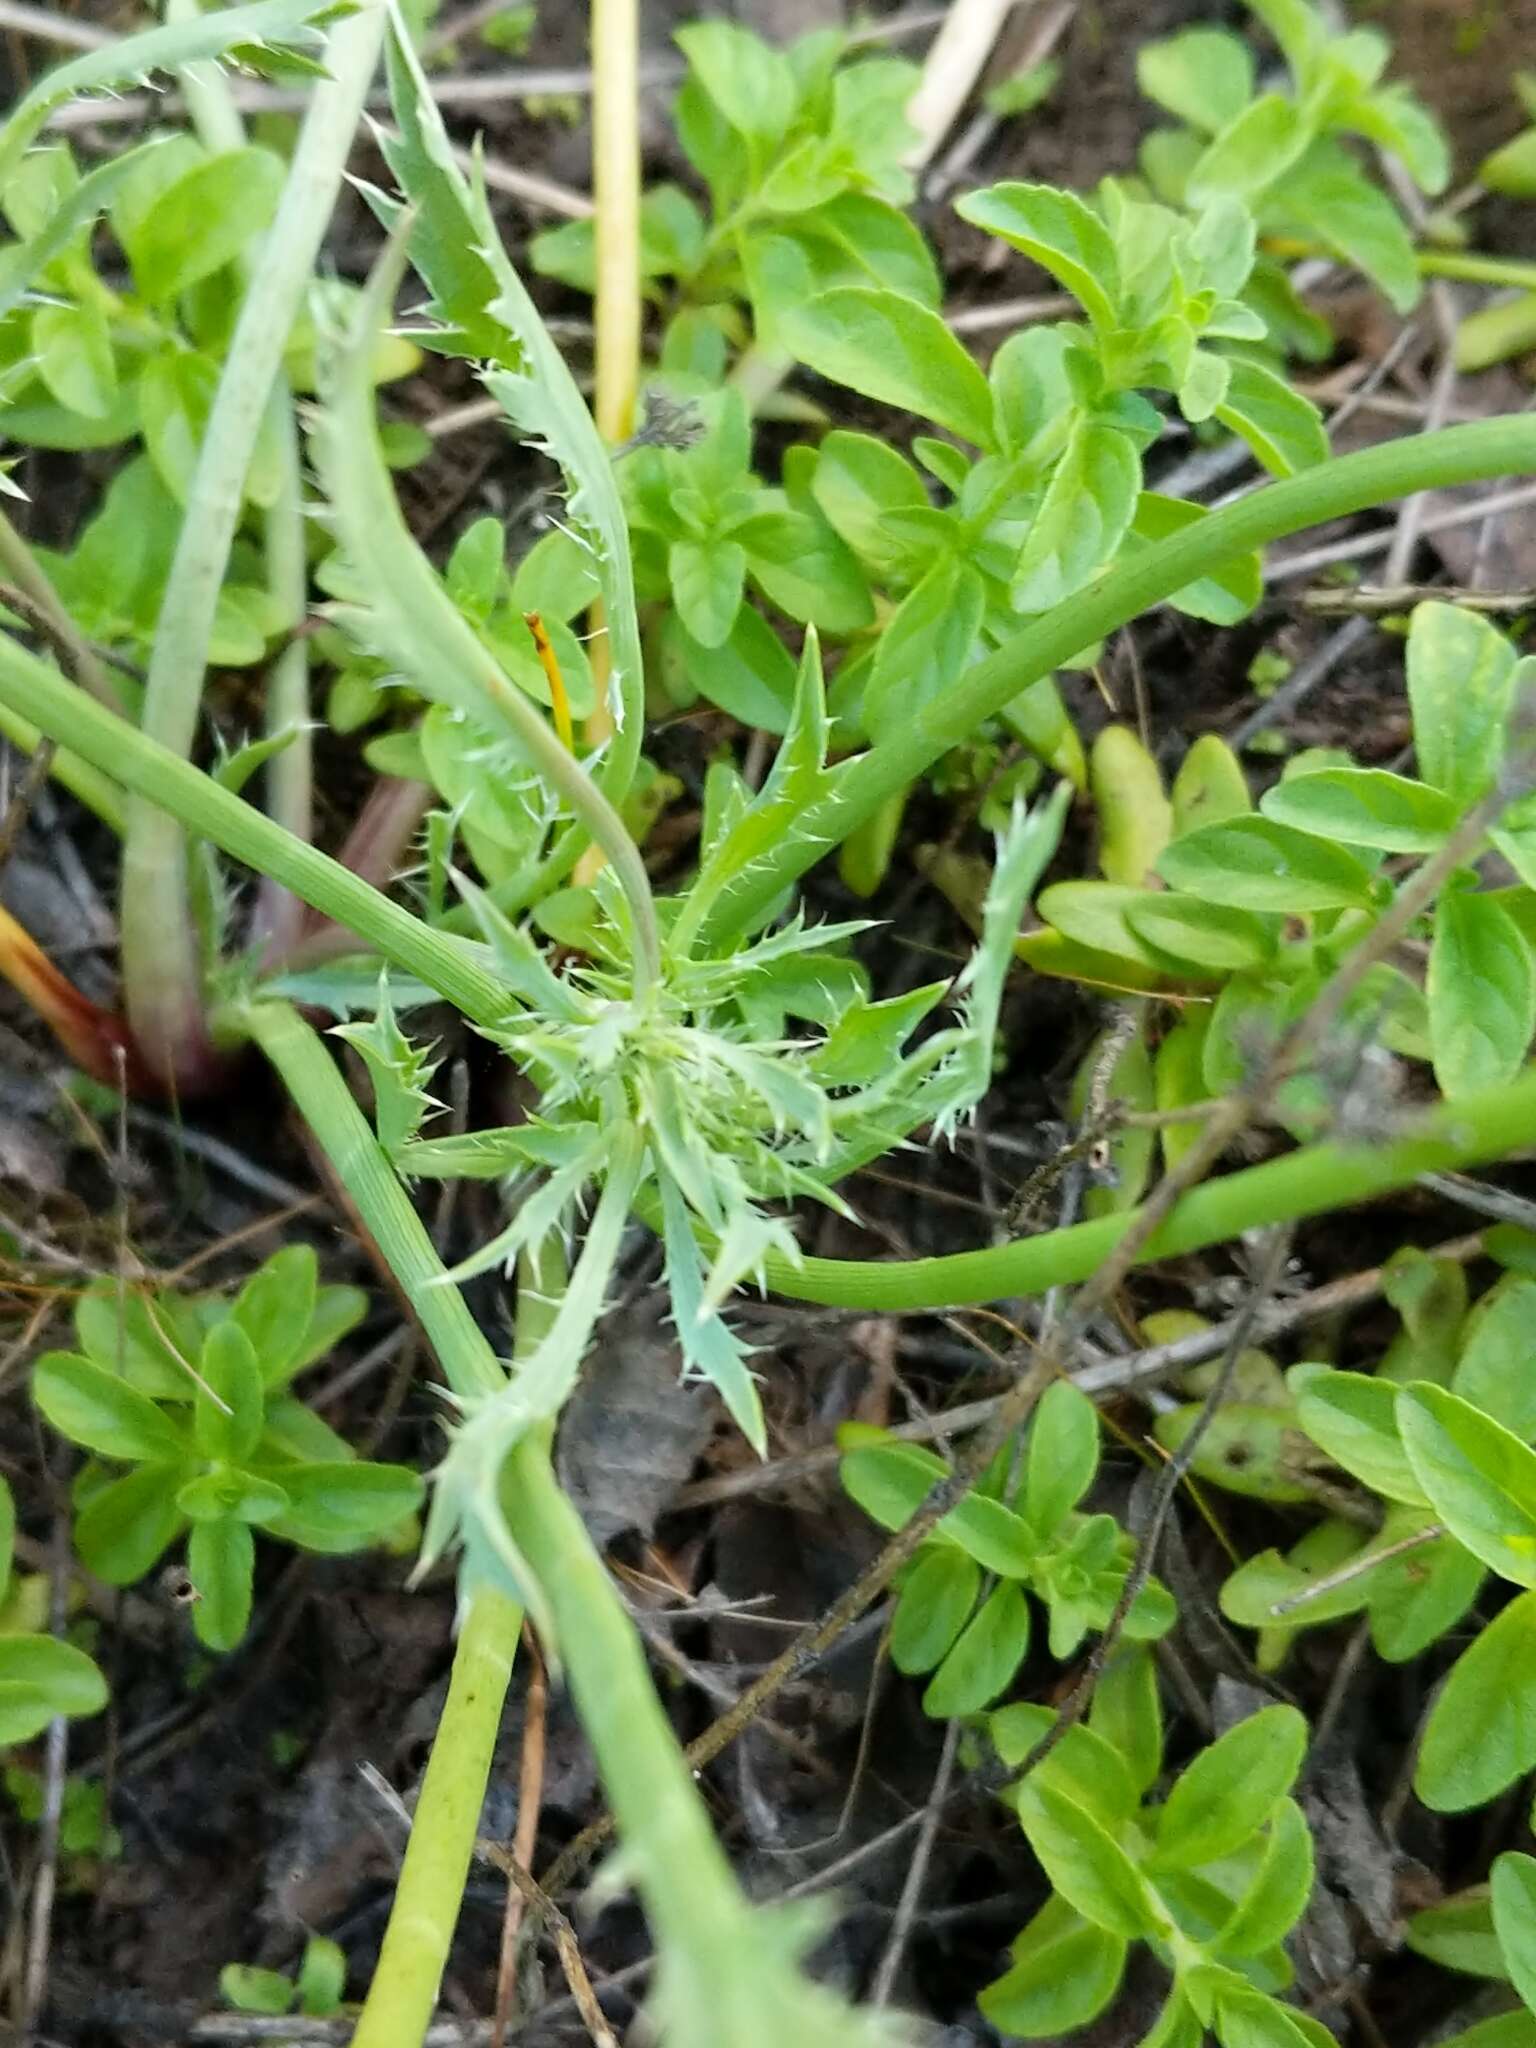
1211	1878
1258	905
315	1991
1439	1436
962	1611
41	1676
193	1394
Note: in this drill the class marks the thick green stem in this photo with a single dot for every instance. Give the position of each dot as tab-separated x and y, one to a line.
279	913
1309	1182
161	965
1348	483
430	1889
689	1890
1472	268
49	704
431	1885
322	1098
425	631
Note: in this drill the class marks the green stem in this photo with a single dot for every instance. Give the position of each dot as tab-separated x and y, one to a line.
37	693
322	1098
1467	454
428	635
690	1893
432	1875
1309	1182
1346	484
430	1889
279	914
1474	269
161	963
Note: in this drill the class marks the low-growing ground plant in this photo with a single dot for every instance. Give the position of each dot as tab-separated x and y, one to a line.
193	1393
697	1060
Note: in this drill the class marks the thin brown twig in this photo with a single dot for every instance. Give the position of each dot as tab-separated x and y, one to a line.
1371	599
34	1988
917	1872
1170	1479
23	797
1307	561
547	1913
525	1838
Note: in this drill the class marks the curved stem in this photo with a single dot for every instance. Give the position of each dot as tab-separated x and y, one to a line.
1346	484
161	964
437	1857
1309	1182
278	913
423	628
30	688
